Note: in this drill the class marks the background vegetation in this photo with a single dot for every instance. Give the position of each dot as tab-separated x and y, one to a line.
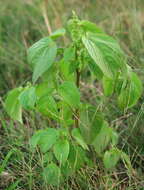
22	22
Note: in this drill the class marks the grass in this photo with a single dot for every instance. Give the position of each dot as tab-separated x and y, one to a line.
24	22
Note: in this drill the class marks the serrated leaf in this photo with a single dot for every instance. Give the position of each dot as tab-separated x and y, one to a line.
12	104
52	174
61	150
45	139
131	93
28	98
70	94
106	53
41	56
111	158
78	137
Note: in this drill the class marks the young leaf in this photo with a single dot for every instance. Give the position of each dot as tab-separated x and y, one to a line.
58	33
131	93
70	94
45	139
106	53
89	27
111	158
28	98
52	174
41	55
77	136
61	150
12	104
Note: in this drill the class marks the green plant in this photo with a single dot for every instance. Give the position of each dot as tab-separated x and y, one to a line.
77	128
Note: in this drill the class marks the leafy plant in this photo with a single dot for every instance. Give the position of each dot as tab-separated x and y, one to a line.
76	127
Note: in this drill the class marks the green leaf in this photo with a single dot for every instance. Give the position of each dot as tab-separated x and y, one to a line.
12	104
111	158
78	137
76	160
52	174
114	138
91	124
41	56
65	71
43	89
45	139
108	86
95	69
106	53
58	33
61	150
65	114
103	138
69	54
131	93
47	106
70	94
28	98
47	157
89	27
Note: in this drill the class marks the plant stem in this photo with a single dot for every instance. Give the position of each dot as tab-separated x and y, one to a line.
77	115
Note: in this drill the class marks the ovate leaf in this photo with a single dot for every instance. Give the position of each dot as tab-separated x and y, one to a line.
41	55
12	104
78	137
111	158
70	94
106	53
61	150
45	139
28	98
52	174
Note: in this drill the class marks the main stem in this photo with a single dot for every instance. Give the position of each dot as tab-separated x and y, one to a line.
77	115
